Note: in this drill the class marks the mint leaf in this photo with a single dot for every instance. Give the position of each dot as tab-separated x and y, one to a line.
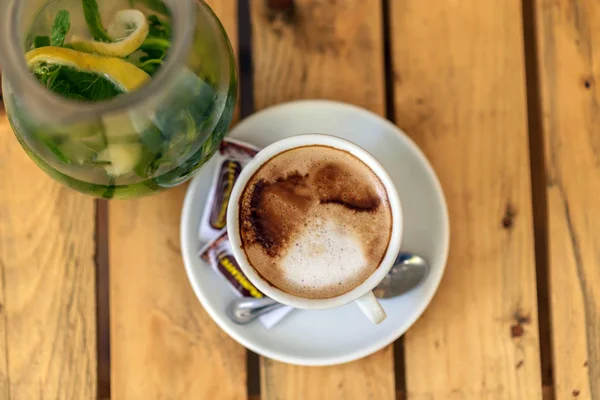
49	77
94	21
92	87
41	41
74	84
62	24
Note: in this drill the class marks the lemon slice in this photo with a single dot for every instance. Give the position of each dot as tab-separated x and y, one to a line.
128	41
120	72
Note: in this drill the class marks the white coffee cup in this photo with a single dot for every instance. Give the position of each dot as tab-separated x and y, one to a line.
363	293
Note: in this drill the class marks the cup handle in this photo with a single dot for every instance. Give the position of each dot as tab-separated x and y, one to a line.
369	305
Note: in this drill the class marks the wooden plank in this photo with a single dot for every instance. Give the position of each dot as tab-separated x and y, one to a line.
47	279
163	344
568	49
460	94
330	50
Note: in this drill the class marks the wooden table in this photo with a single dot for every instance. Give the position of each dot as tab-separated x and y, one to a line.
502	98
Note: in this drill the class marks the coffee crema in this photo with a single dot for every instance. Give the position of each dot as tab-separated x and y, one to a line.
315	221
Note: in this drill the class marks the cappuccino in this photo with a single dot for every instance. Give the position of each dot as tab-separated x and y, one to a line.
315	221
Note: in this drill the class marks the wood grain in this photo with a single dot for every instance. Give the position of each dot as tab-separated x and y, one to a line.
163	344
47	282
568	49
460	94
333	50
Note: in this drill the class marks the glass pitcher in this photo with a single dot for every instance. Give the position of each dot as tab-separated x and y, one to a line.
136	143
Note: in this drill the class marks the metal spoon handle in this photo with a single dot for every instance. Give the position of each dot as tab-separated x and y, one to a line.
245	310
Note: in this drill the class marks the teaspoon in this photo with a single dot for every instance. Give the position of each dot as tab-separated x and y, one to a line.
408	271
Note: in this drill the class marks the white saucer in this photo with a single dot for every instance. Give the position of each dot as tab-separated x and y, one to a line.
326	337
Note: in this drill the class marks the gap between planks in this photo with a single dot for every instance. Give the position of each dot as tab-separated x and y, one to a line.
246	104
102	299
538	188
390	113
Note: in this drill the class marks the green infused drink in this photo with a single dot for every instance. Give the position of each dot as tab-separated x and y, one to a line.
142	93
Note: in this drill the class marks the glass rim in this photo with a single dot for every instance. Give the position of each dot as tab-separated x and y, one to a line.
71	111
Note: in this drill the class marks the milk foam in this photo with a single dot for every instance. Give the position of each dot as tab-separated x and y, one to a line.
324	255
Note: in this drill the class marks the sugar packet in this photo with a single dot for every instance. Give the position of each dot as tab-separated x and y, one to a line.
232	156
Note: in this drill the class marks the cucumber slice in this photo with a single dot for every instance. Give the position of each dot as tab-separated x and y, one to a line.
125	125
80	150
76	131
123	158
76	152
95	143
